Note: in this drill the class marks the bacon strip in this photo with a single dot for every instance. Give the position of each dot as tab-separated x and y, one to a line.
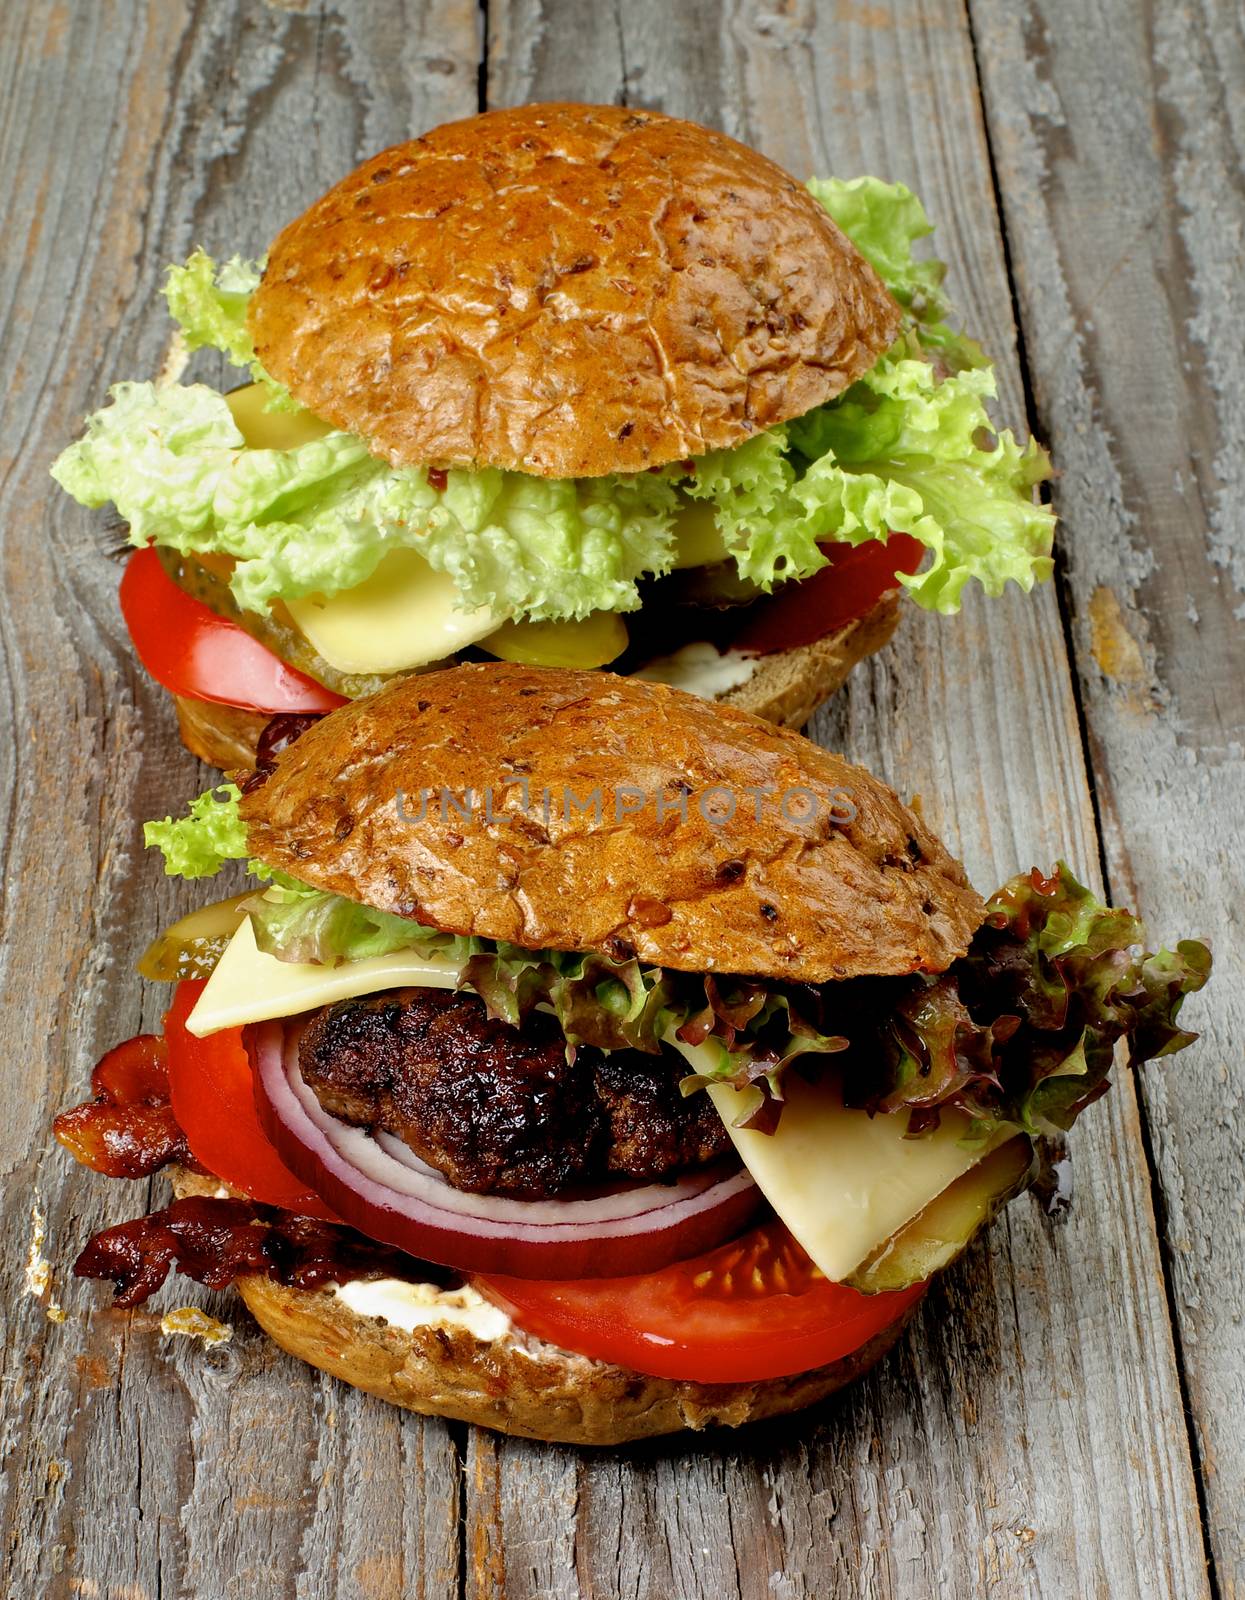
215	1241
128	1130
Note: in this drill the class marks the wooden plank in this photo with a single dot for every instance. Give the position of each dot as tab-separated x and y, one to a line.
1045	1362
131	1466
136	1465
1118	133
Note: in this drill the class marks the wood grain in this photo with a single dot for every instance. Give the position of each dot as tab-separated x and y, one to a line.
136	1464
1050	1353
1119	140
1028	1437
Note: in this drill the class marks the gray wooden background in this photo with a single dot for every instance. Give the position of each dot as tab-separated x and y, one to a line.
1067	1417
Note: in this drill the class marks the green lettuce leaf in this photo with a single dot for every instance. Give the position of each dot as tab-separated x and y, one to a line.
1022	1030
198	844
298	923
156	454
902	451
906	448
319	518
209	304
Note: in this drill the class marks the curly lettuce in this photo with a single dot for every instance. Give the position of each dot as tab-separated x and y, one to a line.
297	923
1023	1029
209	304
908	447
884	221
199	844
1019	1031
902	452
320	517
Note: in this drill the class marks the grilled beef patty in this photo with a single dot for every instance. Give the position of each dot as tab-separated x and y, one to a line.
500	1110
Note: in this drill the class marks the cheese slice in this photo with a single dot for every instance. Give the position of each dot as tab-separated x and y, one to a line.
271	430
249	985
841	1180
698	541
404	615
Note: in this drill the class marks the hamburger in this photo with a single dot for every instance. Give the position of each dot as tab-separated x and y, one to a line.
588	1065
562	385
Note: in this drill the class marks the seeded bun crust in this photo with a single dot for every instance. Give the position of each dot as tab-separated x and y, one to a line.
517	1383
567	291
789	685
786	886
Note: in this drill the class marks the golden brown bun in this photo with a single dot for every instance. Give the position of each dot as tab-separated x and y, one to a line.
786	688
566	290
223	736
517	1383
779	889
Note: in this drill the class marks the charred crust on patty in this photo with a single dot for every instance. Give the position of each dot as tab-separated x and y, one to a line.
499	1109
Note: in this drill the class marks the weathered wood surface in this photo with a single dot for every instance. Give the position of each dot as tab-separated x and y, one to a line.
1029	1438
1120	143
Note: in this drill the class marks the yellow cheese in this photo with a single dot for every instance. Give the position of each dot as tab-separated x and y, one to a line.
404	615
697	540
272	430
249	985
842	1181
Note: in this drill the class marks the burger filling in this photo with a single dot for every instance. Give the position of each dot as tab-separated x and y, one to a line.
628	1160
351	570
499	1109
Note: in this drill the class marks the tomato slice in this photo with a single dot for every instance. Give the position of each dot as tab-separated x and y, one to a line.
755	1308
856	579
190	650
214	1101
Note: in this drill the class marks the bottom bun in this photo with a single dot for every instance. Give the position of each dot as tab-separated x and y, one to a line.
787	687
519	1384
514	1382
223	736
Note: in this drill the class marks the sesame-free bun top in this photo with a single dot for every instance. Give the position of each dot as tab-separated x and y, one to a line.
566	290
614	815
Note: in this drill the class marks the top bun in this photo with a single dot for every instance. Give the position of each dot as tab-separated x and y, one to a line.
567	291
646	858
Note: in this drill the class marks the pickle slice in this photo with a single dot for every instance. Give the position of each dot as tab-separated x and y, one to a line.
933	1239
192	947
598	639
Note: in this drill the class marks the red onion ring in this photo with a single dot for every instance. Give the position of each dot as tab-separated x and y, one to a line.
399	1200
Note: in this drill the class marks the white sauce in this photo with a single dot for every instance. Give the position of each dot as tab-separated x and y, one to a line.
418	1305
699	669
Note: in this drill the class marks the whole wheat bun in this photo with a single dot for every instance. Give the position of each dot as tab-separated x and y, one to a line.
517	1383
786	688
223	736
752	865
520	1384
567	291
